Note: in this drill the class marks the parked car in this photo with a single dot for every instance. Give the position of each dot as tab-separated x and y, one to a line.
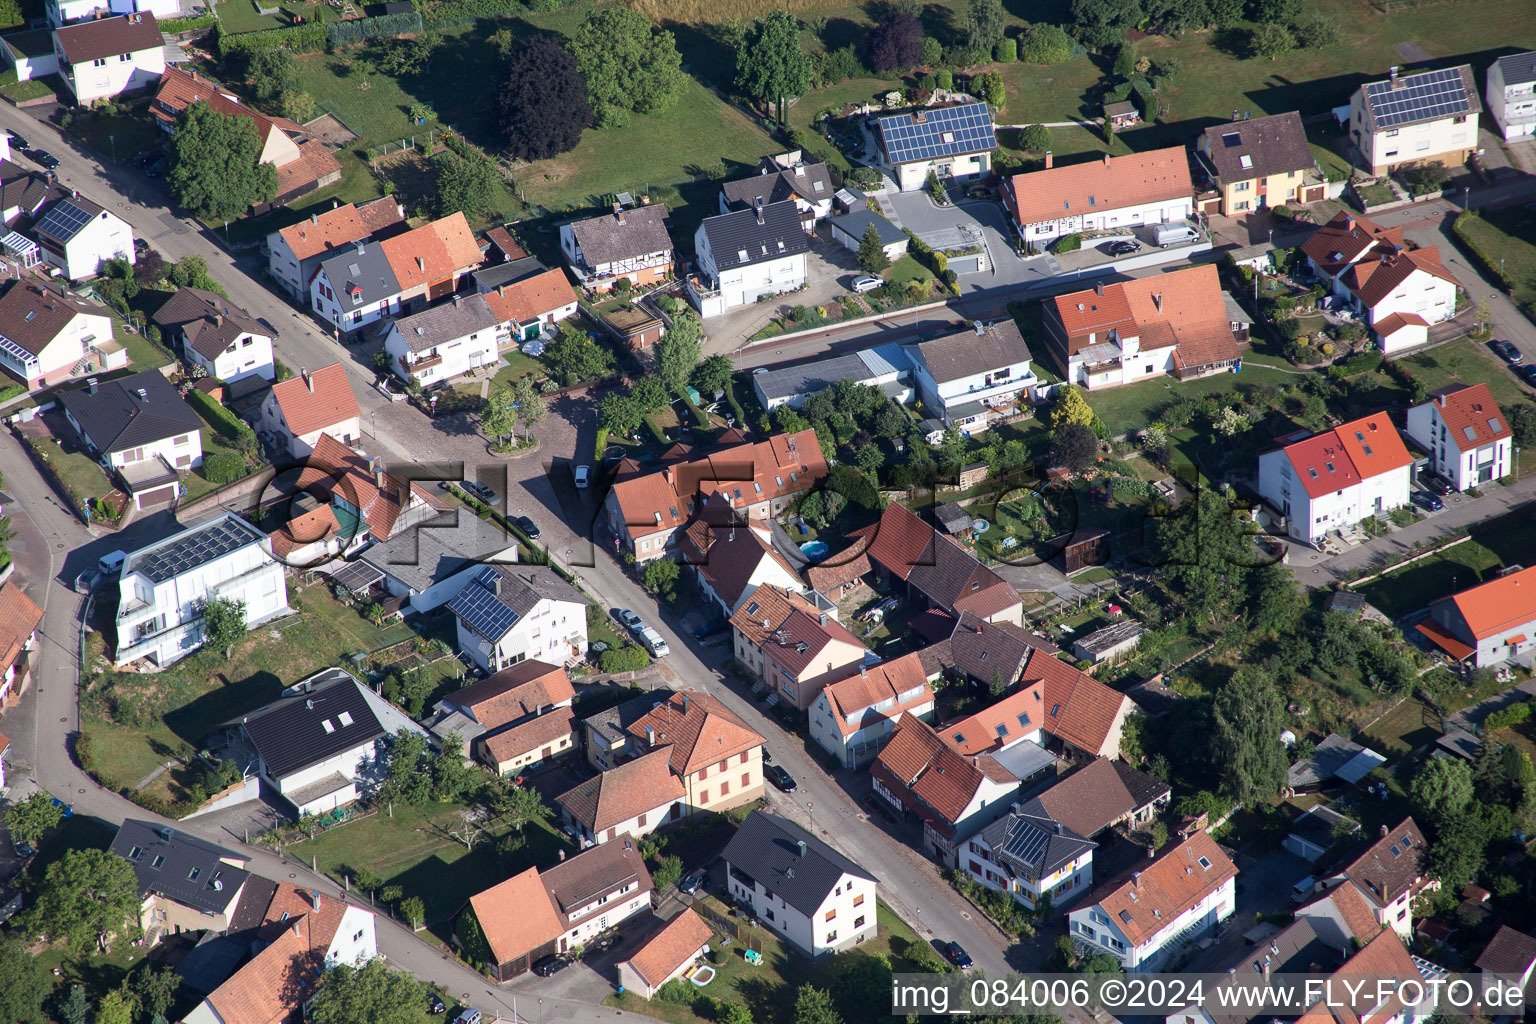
583	473
629	620
1432	502
18	143
155	169
1507	351
780	778
468	1015
866	283
653	642
550	965
691	881
1439	486
479	490
528	526
1527	373
45	158
65	810
435	1004
1124	247
953	952
711	628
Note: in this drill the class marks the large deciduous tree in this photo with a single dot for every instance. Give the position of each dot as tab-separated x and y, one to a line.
574	357
770	65
712	375
223	624
543	105
23	984
85	897
984	21
28	820
1442	789
1101	24
466	184
1248	715
677	353
215	170
631	66
895	43
1074	446
371	992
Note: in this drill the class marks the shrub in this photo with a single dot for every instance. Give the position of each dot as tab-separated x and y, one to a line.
1006	51
933	51
222	467
629	658
1069	243
944	78
226	423
1506	717
1045	44
306	38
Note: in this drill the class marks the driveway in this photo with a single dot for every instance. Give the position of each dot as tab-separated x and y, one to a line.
830	269
968	222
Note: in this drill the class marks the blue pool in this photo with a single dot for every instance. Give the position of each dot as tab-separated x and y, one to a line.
815	550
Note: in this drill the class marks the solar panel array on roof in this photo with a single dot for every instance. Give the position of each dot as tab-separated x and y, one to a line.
478	605
64	220
1027	843
194	548
358	576
948	131
1419	98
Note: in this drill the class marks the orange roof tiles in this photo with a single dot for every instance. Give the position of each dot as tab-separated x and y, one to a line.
536	732
619	794
943	781
767	611
19	618
1374	280
269	989
874	684
1078	708
458	240
1499	605
700	730
515	692
322	401
676	945
1338	458
1471	408
433	252
516	916
795	634
1382	956
1373	444
1184	308
1345	239
314	163
532	297
335	471
1351	908
1088	312
1445	641
311	527
978	733
1391	324
1112	183
1180	877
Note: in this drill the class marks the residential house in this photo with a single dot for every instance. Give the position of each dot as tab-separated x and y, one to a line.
934	571
62	12
1116	194
1510	956
1342	917
792	646
443	342
1145	918
666	955
628	243
300	409
357	486
754	481
606	735
400	274
813	897
1487	624
1035	859
633	799
850	229
1398	292
226	342
1511	94
426	567
784	176
974	378
1179	323
954	795
1383	957
1389	873
995	654
718	757
1413	119
1336	479
165	585
1295	949
1466	435
748	255
1260	163
46	332
303	934
529	744
519	717
19	618
732	562
509	927
1105	793
109	56
321	744
77	236
529	307
23	191
296	252
853	717
952	143
885	367
139	427
302	162
185	883
507	613
315	534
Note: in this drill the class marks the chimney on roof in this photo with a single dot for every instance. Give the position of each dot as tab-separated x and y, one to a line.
456	299
309	381
1050	160
758	205
823	618
218	319
1098	289
1392	73
618	214
1135	879
1106	159
378	478
1349	224
90	386
1058	827
1151	852
801	845
650	735
194	74
315	899
686	702
562	853
314	219
1384	829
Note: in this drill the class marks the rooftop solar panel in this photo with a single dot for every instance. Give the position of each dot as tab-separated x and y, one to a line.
358	576
1418	97
1026	842
64	219
947	131
478	605
193	548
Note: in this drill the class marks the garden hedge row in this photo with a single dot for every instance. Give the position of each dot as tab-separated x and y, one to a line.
221	419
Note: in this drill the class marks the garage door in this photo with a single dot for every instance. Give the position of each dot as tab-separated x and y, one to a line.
158	496
965	264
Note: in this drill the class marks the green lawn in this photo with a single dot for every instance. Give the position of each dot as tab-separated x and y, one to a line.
1375	195
1494	544
1410	725
120	136
1506	239
1467	361
1129	408
36	88
242	16
82	473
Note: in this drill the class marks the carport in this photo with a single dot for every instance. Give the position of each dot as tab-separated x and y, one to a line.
150	482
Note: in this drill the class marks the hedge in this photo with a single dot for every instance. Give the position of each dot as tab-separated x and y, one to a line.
919	250
1489	265
306	38
469	10
629	658
347	33
175	25
1069	243
1506	717
1360	362
226	423
220	467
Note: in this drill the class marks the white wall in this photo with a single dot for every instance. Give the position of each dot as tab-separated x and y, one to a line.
249	355
355	941
1443	139
1431	297
554	631
459	356
1310	518
248	574
59	357
1513	107
104	238
111	76
815	936
1463	469
339	312
592	920
1067	882
1091	925
1167	211
183	451
912	176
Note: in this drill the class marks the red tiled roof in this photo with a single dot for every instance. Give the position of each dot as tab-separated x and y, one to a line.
1382	957
311	527
335	471
1184	308
1390	325
943	781
532	297
1374	280
516	916
502	239
633	788
540	731
978	733
1078	708
19	619
1351	908
433	252
1112	183
1445	641
85	41
678	942
269	989
876	683
1336	459
1166	887
314	162
322	401
699	729
1374	445
728	557
515	692
1471	408
1345	239
1491	608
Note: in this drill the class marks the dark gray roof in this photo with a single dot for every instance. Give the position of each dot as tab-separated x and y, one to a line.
767	848
1333	757
773	184
613	723
437	549
208	320
179	866
858	222
498	597
738	240
307	727
809	378
194	546
488	279
118	416
982	649
1097	795
367	270
1244	150
953	517
438	325
212	962
968	352
1034	845
21	187
1518	67
1425	96
604	240
66	217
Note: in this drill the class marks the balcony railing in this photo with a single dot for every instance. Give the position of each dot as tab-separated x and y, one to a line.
424	363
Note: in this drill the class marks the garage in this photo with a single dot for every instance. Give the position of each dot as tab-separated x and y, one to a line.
158	496
970	264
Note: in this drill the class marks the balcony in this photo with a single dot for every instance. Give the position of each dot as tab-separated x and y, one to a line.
417	365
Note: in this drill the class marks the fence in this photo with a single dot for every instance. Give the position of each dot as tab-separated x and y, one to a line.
428	138
346	119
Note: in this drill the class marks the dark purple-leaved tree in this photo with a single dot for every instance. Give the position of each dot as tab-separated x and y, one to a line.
896	42
543	103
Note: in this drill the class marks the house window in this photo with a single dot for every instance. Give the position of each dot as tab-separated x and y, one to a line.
725	788
721	766
703	796
359	936
831	937
183	439
640	822
858	922
858	900
743	757
746	780
831	914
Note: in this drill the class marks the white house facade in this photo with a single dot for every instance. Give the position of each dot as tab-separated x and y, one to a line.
506	614
975	378
1336	479
443	342
1467	437
952	143
77	236
1412	119
1512	94
851	719
1119	193
1031	858
110	56
164	587
46	331
747	255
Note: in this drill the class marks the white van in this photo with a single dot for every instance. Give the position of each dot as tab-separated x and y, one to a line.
1175	234
1303	889
653	642
112	564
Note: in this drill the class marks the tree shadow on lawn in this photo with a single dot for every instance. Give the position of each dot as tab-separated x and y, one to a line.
840	32
707	52
458	60
196	720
